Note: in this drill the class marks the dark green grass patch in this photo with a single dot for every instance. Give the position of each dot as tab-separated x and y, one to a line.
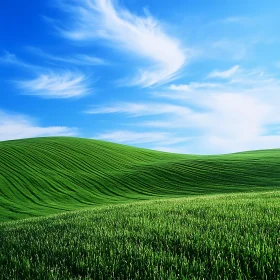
207	237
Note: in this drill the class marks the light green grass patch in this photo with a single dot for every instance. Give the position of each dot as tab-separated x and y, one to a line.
207	237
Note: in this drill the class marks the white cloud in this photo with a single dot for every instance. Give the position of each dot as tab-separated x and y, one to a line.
140	109
141	36
226	145
193	86
57	85
131	137
224	74
238	116
234	115
53	83
13	126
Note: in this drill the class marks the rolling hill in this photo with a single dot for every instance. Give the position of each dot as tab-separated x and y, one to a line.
42	176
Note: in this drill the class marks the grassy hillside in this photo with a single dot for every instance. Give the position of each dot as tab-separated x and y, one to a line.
205	237
50	175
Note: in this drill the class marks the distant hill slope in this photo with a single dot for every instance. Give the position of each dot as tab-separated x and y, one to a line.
41	176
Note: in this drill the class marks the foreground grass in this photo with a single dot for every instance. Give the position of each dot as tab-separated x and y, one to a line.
43	176
208	237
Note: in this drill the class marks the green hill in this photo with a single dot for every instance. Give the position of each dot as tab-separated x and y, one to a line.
203	233
41	176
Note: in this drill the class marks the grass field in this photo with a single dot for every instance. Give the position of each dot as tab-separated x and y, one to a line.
208	237
43	176
142	214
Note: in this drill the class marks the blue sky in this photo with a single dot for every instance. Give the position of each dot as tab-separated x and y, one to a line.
180	76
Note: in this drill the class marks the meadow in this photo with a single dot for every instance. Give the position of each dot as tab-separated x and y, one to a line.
84	209
208	237
44	176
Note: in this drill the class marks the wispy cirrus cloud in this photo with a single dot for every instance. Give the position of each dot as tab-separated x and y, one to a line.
75	59
50	83
142	36
224	74
16	126
193	86
132	137
11	59
66	84
139	109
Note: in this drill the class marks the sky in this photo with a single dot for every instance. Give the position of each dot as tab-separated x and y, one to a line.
182	76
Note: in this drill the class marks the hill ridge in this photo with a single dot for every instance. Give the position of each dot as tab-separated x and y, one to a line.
41	176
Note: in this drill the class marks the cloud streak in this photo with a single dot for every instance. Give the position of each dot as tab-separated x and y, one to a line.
132	137
140	36
11	59
15	126
140	109
224	74
56	85
76	59
52	83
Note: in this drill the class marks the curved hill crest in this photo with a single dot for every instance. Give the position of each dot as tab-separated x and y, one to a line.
41	176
